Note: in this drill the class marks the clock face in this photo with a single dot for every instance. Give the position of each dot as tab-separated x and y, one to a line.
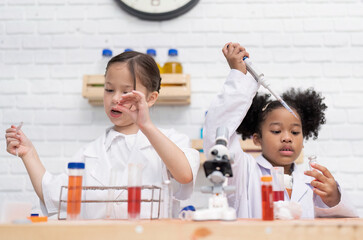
157	10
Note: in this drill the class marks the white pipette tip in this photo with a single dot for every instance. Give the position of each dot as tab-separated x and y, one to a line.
288	108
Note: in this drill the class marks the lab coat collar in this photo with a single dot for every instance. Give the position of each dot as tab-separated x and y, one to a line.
97	160
110	136
263	162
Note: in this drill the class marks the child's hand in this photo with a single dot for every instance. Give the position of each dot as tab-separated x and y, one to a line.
17	142
234	54
134	104
324	185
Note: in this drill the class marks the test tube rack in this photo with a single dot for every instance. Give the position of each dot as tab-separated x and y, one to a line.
155	193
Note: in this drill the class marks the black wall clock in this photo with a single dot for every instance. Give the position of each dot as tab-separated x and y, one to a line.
157	10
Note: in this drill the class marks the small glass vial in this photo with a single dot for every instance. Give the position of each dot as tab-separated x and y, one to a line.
134	190
267	198
312	159
75	173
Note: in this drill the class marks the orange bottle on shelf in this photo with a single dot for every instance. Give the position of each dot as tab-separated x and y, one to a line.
75	173
172	65
267	198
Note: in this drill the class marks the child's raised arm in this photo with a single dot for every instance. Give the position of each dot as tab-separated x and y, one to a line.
173	157
16	141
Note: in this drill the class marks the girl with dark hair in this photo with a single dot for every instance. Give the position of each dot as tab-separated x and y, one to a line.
132	83
280	135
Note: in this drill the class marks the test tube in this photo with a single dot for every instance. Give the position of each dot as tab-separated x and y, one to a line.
75	175
312	159
267	198
278	183
134	190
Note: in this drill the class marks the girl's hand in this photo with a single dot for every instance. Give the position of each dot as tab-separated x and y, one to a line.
324	185
234	53
17	141
135	105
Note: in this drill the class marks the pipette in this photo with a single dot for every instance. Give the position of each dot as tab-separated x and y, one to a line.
260	78
17	130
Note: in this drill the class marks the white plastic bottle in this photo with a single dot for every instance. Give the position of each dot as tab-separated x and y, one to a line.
106	56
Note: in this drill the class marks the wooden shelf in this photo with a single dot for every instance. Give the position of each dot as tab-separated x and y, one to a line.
175	89
247	145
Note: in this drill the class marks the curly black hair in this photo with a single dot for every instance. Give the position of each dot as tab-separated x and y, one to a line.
308	104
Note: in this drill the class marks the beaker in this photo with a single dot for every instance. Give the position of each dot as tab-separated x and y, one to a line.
134	190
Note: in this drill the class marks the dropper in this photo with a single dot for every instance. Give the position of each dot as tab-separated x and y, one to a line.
260	78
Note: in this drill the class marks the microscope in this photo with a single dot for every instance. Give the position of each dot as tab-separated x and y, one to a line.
217	168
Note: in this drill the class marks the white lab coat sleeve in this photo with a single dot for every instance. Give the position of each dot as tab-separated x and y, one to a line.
344	208
229	107
51	186
182	141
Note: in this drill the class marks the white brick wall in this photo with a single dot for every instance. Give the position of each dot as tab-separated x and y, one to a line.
47	45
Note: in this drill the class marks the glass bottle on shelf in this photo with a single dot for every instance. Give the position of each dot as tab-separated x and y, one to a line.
172	65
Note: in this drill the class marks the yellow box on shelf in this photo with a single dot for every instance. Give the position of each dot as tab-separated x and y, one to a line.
175	89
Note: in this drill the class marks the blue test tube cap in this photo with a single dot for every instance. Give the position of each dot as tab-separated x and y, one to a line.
151	52
173	52
128	50
76	165
106	52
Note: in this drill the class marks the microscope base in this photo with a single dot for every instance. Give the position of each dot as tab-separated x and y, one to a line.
225	214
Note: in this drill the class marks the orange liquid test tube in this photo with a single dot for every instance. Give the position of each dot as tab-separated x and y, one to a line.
75	172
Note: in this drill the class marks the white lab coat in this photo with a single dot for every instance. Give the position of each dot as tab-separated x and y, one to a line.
97	173
229	109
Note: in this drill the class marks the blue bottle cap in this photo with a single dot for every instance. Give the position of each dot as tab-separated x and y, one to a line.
106	52
34	214
188	208
76	165
173	52
151	52
128	50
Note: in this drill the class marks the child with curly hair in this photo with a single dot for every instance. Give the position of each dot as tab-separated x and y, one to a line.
280	135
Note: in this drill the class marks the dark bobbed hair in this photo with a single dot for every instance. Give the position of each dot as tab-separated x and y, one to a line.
141	66
308	104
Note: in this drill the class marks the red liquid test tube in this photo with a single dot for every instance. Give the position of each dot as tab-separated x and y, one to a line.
134	190
278	183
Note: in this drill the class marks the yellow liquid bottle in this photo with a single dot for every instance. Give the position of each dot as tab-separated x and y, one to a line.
173	65
152	52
